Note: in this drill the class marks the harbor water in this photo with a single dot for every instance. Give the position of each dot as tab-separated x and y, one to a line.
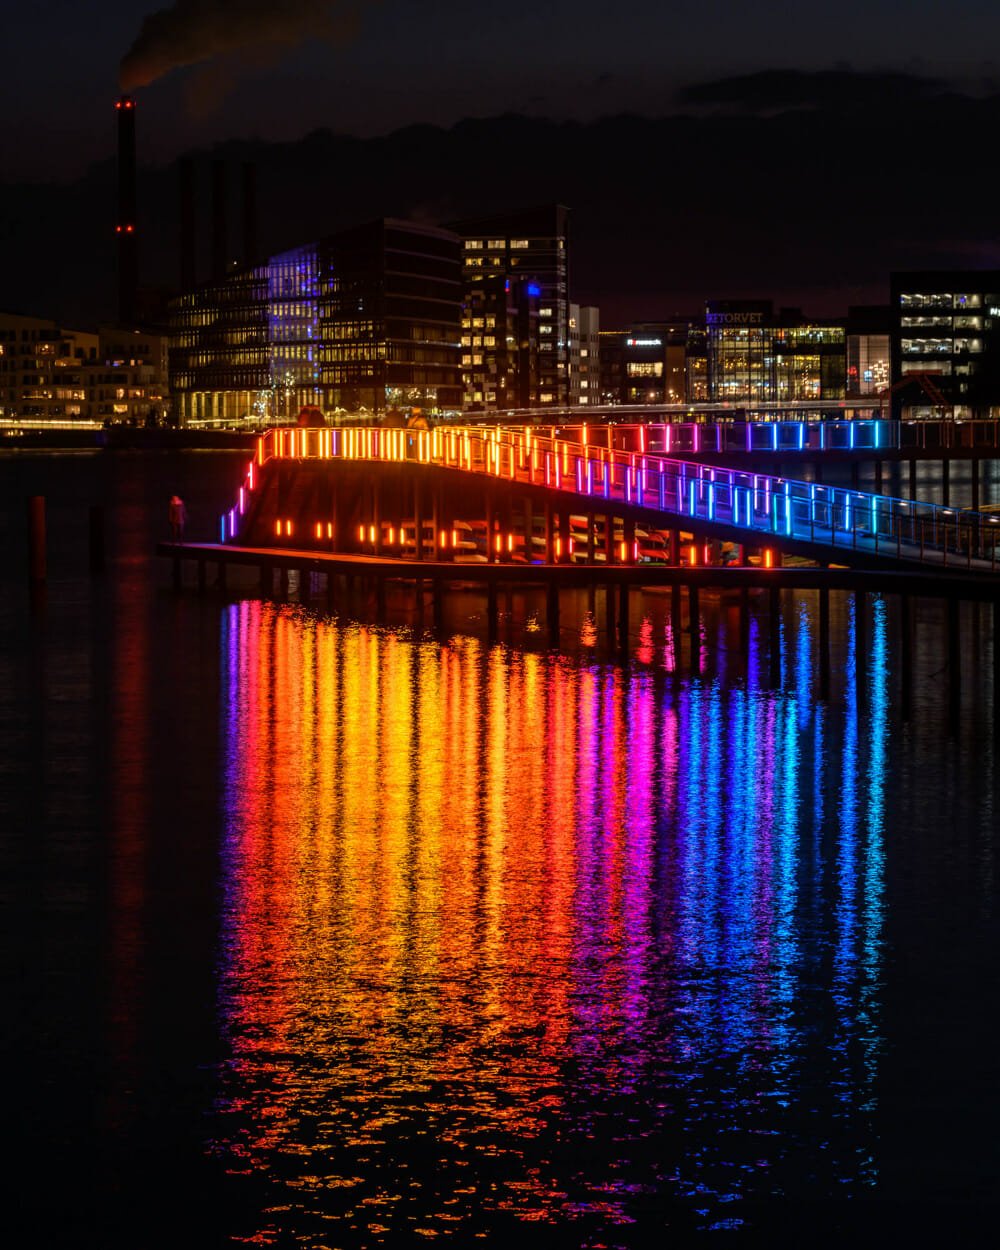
325	933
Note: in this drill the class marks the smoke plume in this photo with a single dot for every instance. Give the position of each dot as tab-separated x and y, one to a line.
191	31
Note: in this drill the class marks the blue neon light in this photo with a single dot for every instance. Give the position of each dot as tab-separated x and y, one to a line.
534	288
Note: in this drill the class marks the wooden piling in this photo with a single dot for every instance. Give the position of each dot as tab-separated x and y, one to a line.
36	538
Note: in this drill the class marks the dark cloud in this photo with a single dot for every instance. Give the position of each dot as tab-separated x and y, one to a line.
787	88
192	31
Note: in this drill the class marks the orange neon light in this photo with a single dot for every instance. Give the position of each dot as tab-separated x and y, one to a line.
768	558
277	528
499	543
361	533
329	529
371	533
692	555
288	528
624	552
319	529
708	554
558	546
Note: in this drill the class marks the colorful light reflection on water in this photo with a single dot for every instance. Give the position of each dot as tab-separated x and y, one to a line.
513	939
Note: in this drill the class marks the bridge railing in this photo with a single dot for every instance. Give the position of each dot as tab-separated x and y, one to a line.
757	503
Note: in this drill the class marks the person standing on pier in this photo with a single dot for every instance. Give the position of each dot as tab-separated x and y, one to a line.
177	518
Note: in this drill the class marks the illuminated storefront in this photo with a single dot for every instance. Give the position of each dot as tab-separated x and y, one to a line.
755	356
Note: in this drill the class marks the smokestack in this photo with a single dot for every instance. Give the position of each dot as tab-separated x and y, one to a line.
249	213
125	226
219	244
189	256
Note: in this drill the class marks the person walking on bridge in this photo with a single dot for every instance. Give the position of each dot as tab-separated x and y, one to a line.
177	518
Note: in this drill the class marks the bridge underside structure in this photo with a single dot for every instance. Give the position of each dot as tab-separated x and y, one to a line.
516	494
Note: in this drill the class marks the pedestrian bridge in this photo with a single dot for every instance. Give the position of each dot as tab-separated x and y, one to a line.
567	474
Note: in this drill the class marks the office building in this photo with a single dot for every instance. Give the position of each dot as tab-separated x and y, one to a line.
645	364
945	343
363	321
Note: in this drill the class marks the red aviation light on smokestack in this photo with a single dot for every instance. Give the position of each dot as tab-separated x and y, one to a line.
125	227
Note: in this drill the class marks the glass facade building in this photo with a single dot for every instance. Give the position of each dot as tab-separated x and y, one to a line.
364	320
758	357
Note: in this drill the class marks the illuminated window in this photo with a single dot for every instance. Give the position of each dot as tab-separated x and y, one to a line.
519	243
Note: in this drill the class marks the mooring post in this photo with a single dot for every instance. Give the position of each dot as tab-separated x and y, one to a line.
96	531
36	538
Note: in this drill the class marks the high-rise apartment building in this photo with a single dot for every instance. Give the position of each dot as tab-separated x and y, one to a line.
584	355
529	250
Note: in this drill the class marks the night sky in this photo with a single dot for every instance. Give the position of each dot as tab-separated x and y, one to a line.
883	99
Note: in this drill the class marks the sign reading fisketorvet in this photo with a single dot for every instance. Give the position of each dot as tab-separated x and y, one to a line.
737	313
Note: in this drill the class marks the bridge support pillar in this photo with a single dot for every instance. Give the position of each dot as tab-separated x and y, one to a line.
591	538
675	548
609	539
418	519
694	613
283	581
265	579
628	533
491	545
564	535
377	515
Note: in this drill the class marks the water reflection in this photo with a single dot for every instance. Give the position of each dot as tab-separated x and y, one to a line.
513	938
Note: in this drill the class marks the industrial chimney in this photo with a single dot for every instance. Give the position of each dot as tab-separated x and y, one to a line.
219	228
249	213
188	216
125	226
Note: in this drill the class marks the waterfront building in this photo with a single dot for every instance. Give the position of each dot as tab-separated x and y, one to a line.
645	364
500	341
50	375
945	343
584	355
868	352
364	320
529	248
757	356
